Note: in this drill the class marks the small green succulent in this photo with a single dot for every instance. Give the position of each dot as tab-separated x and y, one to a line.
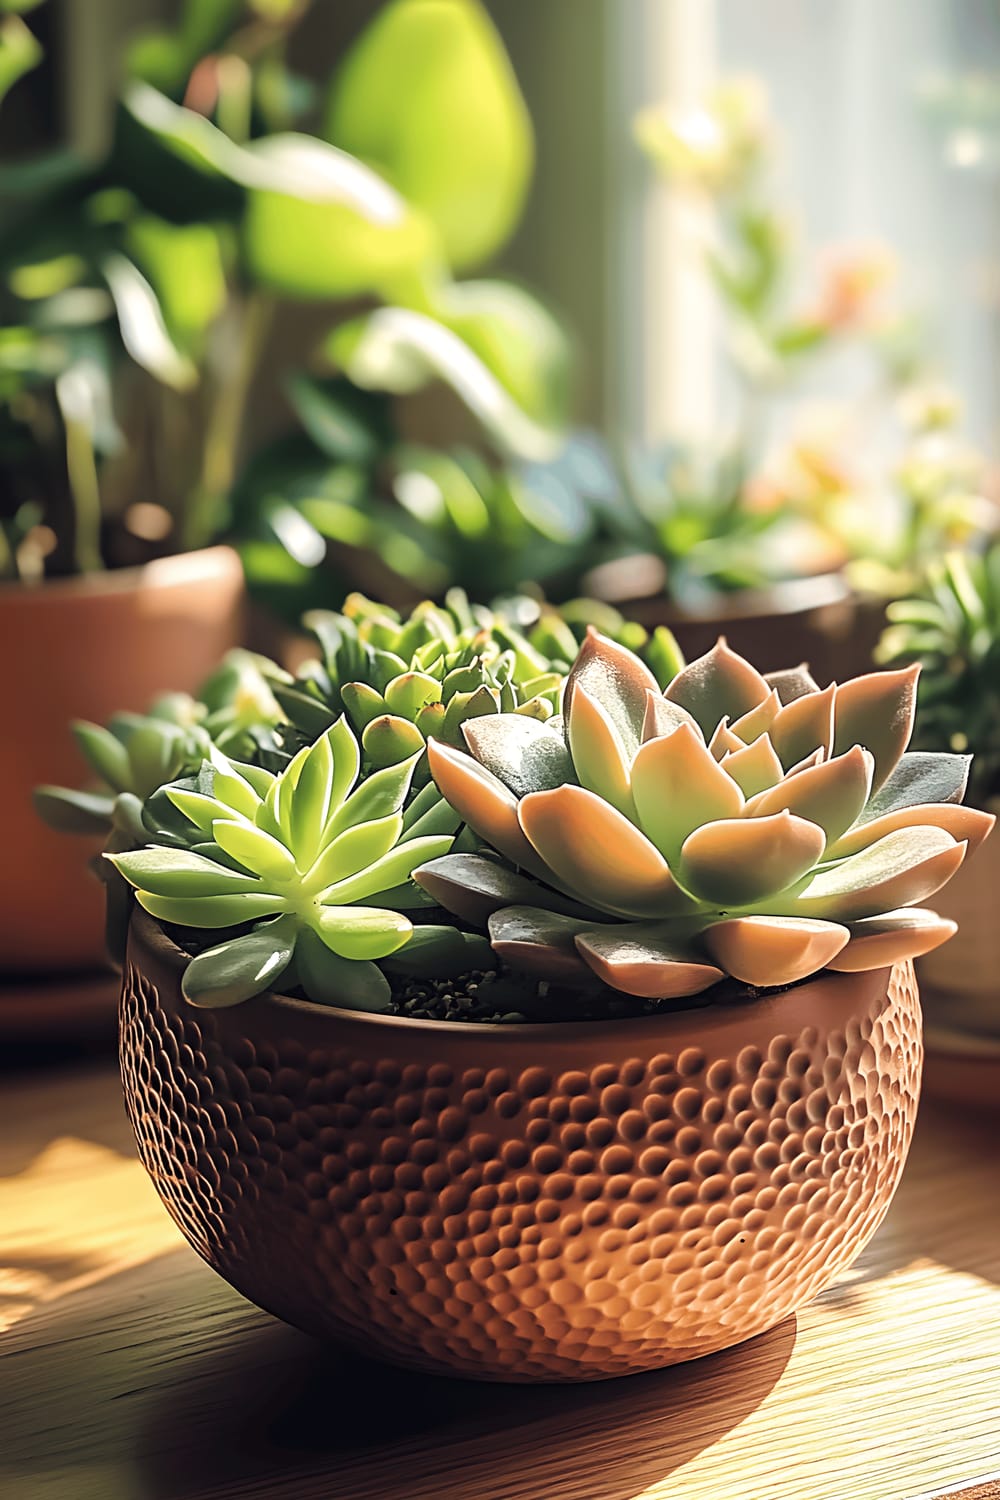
312	866
731	824
951	626
400	680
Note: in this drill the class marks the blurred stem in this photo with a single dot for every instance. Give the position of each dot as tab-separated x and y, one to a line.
8	565
83	483
225	427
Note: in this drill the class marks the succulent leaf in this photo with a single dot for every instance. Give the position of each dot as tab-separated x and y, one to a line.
540	942
210	911
902	868
344	982
617	680
482	801
717	684
965	824
663	717
920	776
740	861
601	760
831	794
236	970
597	855
640	959
361	932
755	768
527	756
754	723
877	711
805	725
765	951
677	785
179	872
877	942
792	683
473	887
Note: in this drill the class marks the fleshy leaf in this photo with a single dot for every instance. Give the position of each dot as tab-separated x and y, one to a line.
178	872
381	795
356	849
904	867
527	756
965	824
921	776
830	794
766	951
538	942
804	725
344	982
210	911
677	785
754	769
739	861
73	812
362	932
256	850
717	684
600	757
618	681
434	952
663	717
792	682
201	809
384	873
877	711
473	887
637	958
482	801
723	740
877	942
753	724
245	966
596	854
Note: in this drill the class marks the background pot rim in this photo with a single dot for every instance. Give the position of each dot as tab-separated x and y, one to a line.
161	572
710	1017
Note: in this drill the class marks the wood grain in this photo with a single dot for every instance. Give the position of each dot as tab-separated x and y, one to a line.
129	1371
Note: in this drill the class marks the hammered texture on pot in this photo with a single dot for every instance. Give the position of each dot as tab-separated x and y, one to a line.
531	1202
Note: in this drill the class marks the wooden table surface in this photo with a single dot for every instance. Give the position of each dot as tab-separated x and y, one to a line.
129	1371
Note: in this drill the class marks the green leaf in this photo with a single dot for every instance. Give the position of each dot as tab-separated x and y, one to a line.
901	869
920	777
232	788
355	850
245	966
442	953
178	872
382	794
209	911
341	420
321	225
389	740
73	812
526	755
311	797
344	982
184	266
199	808
389	871
400	350
255	849
106	754
20	51
143	331
362	932
429	95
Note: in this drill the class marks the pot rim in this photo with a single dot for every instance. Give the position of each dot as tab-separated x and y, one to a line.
784	596
161	572
711	1017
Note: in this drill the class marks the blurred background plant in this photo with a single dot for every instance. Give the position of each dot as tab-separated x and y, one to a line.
139	290
951	625
879	482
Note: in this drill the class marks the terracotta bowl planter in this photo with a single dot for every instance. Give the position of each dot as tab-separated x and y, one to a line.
82	648
524	1203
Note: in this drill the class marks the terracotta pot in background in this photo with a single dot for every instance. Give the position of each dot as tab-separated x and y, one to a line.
525	1202
817	620
962	978
83	648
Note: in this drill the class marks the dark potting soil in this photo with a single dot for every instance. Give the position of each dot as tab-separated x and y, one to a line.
500	997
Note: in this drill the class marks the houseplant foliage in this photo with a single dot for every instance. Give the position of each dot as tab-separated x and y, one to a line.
731	824
138	290
951	626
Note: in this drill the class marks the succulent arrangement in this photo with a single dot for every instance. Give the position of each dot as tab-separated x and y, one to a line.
951	626
437	796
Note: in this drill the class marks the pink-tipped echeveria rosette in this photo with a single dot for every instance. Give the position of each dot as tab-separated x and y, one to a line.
731	824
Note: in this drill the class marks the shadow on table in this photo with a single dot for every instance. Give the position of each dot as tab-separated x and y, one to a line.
284	1411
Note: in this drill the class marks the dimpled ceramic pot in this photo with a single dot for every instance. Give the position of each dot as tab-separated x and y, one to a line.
520	1203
